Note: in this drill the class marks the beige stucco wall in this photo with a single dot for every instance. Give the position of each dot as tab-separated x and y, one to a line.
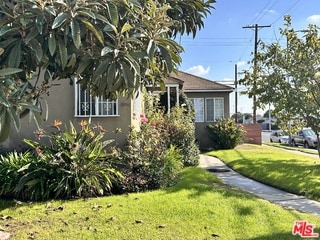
61	104
202	136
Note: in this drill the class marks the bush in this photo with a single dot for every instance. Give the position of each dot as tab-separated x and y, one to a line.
181	132
172	166
149	164
149	158
11	171
226	134
143	159
180	125
76	164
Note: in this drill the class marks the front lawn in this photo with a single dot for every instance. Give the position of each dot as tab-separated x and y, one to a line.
292	172
299	149
199	206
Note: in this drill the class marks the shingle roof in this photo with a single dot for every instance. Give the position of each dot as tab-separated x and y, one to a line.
192	83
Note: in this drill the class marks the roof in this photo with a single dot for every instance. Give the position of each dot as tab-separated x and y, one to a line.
192	83
174	80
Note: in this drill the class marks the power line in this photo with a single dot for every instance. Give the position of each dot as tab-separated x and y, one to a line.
221	41
217	38
263	11
218	44
283	14
256	28
244	51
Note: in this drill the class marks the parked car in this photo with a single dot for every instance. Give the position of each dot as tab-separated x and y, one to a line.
306	137
279	136
284	139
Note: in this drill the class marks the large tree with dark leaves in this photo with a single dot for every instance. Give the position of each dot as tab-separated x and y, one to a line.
111	47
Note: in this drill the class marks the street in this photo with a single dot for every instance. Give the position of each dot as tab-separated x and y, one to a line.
265	138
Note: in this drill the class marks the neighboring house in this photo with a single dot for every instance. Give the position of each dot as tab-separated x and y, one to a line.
69	103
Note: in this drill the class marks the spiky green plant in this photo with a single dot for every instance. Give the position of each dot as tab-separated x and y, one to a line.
76	164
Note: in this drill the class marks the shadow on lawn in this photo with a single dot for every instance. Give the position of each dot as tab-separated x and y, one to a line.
200	181
285	172
5	203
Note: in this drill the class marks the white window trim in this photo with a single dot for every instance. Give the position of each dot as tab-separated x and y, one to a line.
98	100
202	115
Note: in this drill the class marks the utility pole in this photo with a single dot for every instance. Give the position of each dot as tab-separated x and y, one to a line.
236	90
256	28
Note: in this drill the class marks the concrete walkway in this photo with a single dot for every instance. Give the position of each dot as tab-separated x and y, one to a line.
230	177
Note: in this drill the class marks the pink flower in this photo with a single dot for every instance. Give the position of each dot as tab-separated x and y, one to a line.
143	118
153	123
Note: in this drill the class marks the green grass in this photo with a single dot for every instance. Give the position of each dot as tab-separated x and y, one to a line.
292	172
198	207
299	149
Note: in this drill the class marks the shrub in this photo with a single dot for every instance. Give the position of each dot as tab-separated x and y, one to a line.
149	164
180	125
10	171
181	132
164	143
148	159
226	134
35	181
143	159
172	166
75	164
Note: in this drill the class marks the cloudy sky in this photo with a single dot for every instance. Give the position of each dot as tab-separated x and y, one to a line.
224	42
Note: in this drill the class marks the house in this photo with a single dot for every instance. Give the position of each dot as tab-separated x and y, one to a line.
70	103
210	100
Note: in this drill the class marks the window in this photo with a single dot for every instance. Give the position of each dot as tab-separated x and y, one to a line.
86	105
214	109
198	104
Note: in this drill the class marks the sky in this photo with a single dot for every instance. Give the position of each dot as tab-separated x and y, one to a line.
224	42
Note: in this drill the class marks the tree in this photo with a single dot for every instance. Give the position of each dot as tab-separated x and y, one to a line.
112	47
266	114
240	116
289	78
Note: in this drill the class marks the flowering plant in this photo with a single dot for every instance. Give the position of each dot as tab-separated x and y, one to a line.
143	117
77	163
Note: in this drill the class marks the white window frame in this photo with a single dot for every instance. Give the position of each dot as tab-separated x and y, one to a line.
98	105
199	117
216	116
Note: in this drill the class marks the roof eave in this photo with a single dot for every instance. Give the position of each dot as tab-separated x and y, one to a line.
210	90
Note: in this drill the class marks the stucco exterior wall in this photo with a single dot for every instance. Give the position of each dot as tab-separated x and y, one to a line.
61	102
202	135
61	106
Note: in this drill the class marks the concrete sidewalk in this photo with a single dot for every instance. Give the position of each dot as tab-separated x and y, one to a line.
230	177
